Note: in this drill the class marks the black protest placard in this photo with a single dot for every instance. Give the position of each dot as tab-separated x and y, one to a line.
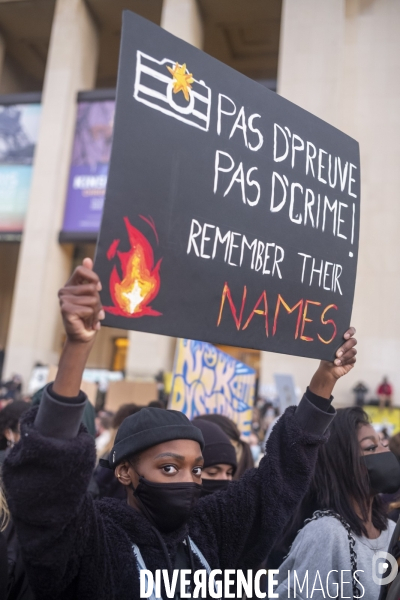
231	215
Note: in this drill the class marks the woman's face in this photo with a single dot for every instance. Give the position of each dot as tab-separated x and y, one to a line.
177	461
370	441
218	472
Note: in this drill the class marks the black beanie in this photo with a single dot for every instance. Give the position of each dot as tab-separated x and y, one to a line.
147	428
218	448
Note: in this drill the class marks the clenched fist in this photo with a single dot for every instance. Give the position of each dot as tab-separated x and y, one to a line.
80	304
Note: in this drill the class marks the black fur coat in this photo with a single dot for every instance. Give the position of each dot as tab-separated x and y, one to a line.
78	548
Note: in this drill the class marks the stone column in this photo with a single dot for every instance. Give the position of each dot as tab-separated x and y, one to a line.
149	353
44	264
182	18
310	55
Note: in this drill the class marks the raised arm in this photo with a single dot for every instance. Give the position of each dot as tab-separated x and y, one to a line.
46	474
244	522
82	312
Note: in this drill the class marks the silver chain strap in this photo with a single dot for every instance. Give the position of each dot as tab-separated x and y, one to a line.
353	555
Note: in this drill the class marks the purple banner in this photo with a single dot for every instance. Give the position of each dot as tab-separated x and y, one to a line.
89	166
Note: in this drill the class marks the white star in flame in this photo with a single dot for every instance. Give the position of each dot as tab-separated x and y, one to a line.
134	297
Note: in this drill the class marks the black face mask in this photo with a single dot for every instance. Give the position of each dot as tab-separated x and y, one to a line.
214	485
383	471
167	505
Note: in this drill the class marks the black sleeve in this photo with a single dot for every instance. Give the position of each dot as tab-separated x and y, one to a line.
46	476
314	413
59	417
318	401
244	522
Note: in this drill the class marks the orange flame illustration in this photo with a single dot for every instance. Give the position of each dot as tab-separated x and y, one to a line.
140	282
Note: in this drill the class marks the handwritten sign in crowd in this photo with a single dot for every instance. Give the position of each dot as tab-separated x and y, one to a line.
231	214
206	380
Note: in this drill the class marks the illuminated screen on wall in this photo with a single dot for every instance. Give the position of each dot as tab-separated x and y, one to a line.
89	169
19	127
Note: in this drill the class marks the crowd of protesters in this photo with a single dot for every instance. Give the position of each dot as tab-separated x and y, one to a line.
89	500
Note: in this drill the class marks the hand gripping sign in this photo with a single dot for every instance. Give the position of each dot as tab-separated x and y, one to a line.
231	215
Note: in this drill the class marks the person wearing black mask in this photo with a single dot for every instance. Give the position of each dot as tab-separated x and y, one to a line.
244	457
75	547
346	522
219	457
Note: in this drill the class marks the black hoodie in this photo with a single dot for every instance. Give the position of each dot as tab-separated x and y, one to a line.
78	548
